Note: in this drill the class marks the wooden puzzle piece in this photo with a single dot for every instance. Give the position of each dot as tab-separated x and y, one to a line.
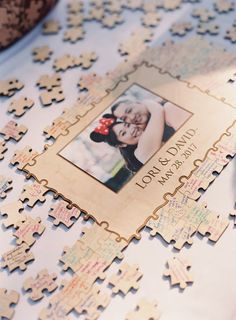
23	157
43	281
20	106
134	4
5	185
9	87
231	34
75	6
97	3
87	59
62	214
112	20
96	14
88	80
151	19
178	271
55	312
74	34
27	229
114	6
70	115
54	95
151	5
58	127
224	6
3	149
75	20
210	28
64	62
17	258
7	299
204	14
171	5
12	211
126	279
13	130
49	82
145	310
51	27
33	193
181	28
42	54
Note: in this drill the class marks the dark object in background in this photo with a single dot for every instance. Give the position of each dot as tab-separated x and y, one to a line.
17	17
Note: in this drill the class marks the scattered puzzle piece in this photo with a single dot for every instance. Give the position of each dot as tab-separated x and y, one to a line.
74	34
43	281
112	20
12	211
75	6
114	6
42	54
203	14
170	5
20	106
17	258
27	229
34	193
49	82
145	310
75	20
58	127
3	149
23	157
178	272
126	279
181	28
87	59
51	27
224	6
13	130
62	214
96	14
210	28
6	301
9	87
134	4
151	19
64	62
5	185
48	97
231	34
151	5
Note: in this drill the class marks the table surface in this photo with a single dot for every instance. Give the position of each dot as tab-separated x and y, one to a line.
212	296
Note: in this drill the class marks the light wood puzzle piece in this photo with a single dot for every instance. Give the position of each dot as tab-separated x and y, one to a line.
75	6
208	27
145	310
170	5
112	20
51	27
20	106
151	5
88	80
33	193
7	299
204	14
178	271
126	279
151	19
62	214
3	149
231	34
27	229
54	95
75	20
181	28
42	54
70	115
49	82
9	87
55	312
134	4
43	282
64	62
224	6
17	257
5	185
23	157
114	6
96	14
87	59
58	127
97	3
13	213
74	34
13	130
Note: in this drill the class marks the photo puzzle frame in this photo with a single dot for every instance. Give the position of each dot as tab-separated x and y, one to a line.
127	210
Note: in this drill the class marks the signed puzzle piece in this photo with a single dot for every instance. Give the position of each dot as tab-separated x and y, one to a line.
5	185
27	229
17	257
13	130
10	87
3	149
49	82
58	127
23	157
42	54
20	106
7	299
13	213
126	279
33	193
178	271
54	95
43	282
145	310
62	214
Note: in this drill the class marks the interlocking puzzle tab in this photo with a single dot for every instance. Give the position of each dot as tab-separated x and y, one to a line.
33	193
7	299
62	214
13	130
17	257
13	213
23	157
9	87
43	281
145	310
178	272
20	106
126	279
5	185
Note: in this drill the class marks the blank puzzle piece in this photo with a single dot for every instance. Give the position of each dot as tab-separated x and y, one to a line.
49	82
51	27
181	28
74	34
170	5
87	59
20	106
23	157
126	279
5	185
13	213
27	229
17	257
42	54
75	20
54	95
145	310
151	19
178	272
224	6
9	87
43	281
62	214
65	62
75	6
33	193
7	299
112	20
208	27
13	130
203	14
